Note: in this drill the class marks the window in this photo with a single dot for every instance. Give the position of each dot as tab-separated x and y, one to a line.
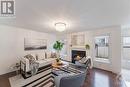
126	42
102	47
126	48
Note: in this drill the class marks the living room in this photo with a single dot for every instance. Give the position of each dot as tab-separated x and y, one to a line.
82	39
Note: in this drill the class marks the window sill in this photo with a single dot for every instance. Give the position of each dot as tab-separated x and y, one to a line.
102	60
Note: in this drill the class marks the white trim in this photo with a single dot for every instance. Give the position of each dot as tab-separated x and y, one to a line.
102	60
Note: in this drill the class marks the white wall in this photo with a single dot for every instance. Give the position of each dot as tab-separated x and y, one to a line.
12	45
115	47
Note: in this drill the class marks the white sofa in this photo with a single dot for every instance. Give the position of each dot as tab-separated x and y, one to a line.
42	61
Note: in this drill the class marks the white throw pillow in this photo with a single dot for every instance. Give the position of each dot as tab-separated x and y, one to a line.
83	60
41	56
48	54
53	55
33	55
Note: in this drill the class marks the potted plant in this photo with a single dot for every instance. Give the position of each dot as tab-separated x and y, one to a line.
58	47
87	48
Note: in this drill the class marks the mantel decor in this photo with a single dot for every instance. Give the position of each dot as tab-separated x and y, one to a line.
87	46
78	40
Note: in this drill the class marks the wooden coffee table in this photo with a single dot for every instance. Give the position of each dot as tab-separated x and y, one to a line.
65	68
56	65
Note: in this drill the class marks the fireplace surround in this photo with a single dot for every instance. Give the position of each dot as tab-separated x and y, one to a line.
75	53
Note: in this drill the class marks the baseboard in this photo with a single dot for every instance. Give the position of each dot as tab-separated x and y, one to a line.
102	69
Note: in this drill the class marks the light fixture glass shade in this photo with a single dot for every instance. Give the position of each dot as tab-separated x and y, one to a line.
60	26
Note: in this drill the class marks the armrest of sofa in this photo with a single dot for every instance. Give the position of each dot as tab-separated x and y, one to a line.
25	66
58	78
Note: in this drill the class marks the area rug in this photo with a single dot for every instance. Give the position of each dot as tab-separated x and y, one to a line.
34	81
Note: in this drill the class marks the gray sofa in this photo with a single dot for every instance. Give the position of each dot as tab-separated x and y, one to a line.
70	80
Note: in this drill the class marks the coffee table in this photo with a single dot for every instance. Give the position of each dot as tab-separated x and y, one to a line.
65	68
56	65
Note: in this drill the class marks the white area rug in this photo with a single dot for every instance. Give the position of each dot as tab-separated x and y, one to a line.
19	81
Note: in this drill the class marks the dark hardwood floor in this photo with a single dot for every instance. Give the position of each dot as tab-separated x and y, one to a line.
4	82
102	78
96	78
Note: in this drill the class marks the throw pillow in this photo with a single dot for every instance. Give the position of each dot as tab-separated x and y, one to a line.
83	60
48	55
41	56
53	55
30	58
34	55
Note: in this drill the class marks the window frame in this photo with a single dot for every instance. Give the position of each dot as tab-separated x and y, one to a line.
125	47
123	42
102	59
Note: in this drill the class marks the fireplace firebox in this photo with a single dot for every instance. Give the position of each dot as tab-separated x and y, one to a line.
76	53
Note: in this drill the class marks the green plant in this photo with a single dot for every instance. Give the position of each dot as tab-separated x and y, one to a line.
87	46
57	60
58	45
87	49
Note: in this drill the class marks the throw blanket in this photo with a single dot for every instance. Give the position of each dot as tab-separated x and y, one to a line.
33	65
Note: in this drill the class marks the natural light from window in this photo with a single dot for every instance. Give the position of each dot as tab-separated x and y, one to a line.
102	47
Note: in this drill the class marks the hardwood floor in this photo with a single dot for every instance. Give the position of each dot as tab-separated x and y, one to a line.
4	82
102	78
96	78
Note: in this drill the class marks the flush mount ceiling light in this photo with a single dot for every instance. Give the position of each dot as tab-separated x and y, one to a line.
60	26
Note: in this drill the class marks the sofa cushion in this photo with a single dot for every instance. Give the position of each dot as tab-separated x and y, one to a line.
45	61
48	55
34	55
30	57
53	55
41	56
83	60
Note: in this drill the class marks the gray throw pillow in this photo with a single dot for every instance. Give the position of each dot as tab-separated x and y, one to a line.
83	60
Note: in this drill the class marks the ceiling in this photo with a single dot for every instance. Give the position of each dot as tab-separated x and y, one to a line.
79	15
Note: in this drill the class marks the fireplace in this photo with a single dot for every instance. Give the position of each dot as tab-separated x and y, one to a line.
76	53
